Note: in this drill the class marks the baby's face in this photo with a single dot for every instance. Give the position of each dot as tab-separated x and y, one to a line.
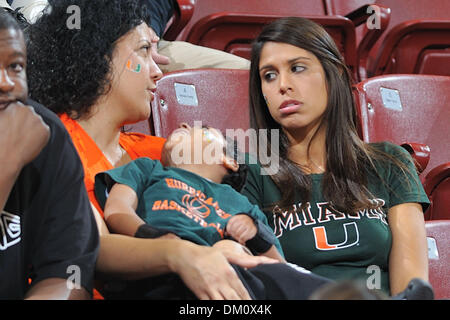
195	145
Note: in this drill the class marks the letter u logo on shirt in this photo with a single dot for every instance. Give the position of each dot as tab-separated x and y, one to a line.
351	237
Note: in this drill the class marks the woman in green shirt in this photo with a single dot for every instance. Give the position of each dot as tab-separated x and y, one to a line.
340	207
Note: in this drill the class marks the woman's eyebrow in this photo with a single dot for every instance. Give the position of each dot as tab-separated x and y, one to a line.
145	40
298	58
270	66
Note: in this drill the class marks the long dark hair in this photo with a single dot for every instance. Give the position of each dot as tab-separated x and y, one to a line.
348	157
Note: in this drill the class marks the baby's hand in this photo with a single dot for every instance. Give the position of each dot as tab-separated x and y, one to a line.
242	228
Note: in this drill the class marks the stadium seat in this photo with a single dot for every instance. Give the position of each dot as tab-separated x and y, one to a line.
183	12
216	97
414	47
416	40
437	186
407	109
141	127
438	238
205	8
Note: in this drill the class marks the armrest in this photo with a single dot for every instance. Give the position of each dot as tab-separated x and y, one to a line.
420	154
435	176
183	11
360	16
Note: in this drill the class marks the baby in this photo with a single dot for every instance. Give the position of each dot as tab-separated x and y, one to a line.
188	197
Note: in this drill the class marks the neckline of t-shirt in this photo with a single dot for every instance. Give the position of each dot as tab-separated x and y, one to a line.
316	176
199	177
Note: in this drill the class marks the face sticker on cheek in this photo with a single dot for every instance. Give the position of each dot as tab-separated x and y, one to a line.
130	67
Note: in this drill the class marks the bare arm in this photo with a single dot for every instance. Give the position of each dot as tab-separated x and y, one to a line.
56	289
409	255
120	214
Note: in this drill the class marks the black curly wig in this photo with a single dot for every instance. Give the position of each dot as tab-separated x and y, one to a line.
68	68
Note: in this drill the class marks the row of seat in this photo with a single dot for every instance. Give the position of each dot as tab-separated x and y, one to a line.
411	110
404	36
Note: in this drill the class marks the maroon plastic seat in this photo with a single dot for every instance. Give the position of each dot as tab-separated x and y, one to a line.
140	127
437	186
416	40
438	237
407	109
417	46
205	8
183	13
214	97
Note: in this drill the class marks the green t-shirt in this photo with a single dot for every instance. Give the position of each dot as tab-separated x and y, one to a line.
335	244
183	202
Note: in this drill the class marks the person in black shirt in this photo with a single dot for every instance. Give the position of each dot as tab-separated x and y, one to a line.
48	235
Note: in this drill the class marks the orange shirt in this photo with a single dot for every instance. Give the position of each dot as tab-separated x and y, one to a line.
94	161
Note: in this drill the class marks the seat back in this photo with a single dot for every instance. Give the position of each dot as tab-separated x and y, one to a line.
234	32
216	97
408	45
438	238
140	127
407	108
440	201
417	46
437	186
205	8
183	11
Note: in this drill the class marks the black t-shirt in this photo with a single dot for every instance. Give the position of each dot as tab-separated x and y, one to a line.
160	13
47	229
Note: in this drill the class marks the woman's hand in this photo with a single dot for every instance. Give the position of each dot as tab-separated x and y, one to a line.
208	273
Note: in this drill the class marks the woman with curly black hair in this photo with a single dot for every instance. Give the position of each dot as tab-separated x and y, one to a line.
90	62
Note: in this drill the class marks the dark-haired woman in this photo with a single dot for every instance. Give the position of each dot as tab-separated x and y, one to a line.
93	67
340	207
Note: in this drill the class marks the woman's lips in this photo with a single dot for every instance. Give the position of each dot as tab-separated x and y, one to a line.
289	107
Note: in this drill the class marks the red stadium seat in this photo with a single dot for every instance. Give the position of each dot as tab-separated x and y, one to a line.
205	8
216	97
407	108
438	237
182	15
416	40
437	186
418	46
141	127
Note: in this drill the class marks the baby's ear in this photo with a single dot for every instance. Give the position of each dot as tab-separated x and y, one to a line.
230	163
